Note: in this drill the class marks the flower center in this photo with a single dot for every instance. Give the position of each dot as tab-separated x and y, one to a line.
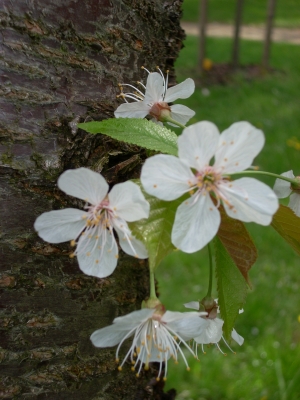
160	111
208	180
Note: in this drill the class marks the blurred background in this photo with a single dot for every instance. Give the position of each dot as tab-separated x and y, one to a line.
267	365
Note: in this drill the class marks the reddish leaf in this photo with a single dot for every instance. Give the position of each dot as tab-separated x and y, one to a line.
237	241
287	224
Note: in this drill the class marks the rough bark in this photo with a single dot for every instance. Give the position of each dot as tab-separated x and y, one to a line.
61	61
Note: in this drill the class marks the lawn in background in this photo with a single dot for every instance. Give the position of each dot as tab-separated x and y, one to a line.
267	366
254	12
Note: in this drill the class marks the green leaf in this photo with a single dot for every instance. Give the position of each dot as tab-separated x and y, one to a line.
287	224
232	288
137	131
155	232
237	241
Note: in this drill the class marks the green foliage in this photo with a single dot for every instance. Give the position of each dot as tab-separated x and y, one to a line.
287	224
135	131
254	12
155	231
232	288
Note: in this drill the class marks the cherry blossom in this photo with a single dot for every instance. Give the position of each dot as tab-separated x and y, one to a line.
154	101
284	189
212	332
197	219
157	335
91	231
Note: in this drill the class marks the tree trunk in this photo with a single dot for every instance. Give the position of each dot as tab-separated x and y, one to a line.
61	63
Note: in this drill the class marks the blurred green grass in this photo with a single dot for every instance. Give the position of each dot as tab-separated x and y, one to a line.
254	12
267	366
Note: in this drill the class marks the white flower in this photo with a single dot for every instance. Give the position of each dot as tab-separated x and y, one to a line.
212	332
154	101
283	189
197	219
92	230
157	335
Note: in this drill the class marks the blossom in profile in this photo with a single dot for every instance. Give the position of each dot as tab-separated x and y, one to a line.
197	219
212	332
153	99
284	189
157	335
91	230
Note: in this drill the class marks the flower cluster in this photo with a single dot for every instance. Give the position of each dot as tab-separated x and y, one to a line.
210	172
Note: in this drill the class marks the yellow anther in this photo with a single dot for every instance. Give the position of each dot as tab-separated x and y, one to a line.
119	368
137	375
72	255
132	369
158	379
73	243
117	360
164	378
188	369
97	261
88	253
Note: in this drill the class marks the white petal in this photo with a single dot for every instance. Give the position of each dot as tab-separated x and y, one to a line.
283	188
99	258
186	326
154	88
166	177
181	91
198	144
250	200
196	223
128	201
60	225
128	243
238	145
181	114
133	319
84	184
212	333
192	304
294	203
235	336
136	109
108	336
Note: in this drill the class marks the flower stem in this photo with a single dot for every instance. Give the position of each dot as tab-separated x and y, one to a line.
173	121
152	286
284	178
210	271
